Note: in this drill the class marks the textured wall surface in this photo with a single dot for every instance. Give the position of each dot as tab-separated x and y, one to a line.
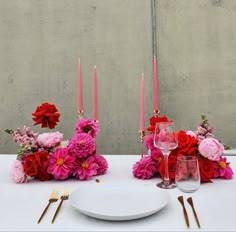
41	41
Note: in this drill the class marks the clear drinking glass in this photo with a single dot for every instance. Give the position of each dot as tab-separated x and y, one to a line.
187	176
165	138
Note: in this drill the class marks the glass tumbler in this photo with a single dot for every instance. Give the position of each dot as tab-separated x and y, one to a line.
187	176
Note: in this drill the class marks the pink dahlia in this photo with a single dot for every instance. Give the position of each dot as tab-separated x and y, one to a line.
145	168
84	169
60	164
17	172
87	126
222	169
81	145
102	164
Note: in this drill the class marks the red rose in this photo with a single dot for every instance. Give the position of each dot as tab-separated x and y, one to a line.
47	115
187	144
171	166
155	119
206	167
35	165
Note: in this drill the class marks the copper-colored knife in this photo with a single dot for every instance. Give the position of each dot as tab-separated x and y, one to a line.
181	200
190	201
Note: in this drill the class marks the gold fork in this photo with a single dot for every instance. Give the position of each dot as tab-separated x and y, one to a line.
53	198
64	196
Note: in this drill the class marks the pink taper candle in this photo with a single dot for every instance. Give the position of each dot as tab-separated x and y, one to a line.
155	85
142	120
95	97
80	88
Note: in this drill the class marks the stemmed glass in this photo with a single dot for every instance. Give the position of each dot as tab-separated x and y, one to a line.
165	138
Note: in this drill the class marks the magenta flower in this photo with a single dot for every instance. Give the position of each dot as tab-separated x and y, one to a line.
222	169
60	164
149	142
156	155
211	148
87	126
81	145
84	169
102	164
145	168
17	172
50	140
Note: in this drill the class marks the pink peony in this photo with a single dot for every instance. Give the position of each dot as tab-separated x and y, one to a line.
222	169
81	145
87	126
60	164
17	172
145	168
102	164
211	148
84	169
50	140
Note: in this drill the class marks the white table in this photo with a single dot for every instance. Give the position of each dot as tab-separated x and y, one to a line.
22	204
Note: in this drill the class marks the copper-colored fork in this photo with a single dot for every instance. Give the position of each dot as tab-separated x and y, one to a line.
190	201
181	200
53	198
64	196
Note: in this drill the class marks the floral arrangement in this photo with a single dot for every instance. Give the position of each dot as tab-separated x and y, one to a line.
200	143
47	156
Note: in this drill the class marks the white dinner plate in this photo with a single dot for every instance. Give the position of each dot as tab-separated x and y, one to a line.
117	203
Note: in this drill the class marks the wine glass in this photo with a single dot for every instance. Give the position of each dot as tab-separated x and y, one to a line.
165	138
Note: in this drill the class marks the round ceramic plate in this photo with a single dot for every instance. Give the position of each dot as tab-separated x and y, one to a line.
118	203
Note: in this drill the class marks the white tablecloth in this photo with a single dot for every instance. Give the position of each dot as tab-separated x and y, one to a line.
22	204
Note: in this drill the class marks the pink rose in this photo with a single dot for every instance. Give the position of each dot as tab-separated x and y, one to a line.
211	148
17	172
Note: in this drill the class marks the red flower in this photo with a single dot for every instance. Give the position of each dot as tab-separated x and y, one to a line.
155	119
206	167
171	166
35	165
47	115
187	144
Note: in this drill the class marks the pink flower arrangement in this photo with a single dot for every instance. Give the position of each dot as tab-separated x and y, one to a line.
200	144
46	156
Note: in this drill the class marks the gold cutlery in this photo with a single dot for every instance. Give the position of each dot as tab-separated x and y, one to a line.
64	196
190	201
181	200
53	198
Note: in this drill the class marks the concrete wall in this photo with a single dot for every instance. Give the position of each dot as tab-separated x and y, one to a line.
41	41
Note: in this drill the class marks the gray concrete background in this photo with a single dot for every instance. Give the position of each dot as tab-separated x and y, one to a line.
41	41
